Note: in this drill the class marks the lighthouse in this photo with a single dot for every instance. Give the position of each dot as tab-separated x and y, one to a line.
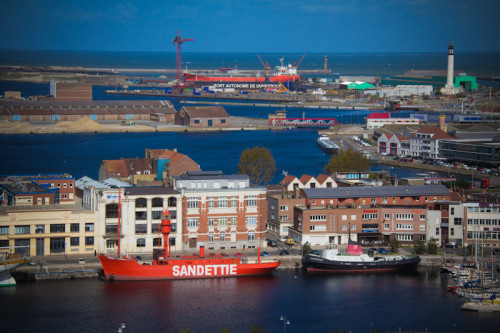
449	78
449	88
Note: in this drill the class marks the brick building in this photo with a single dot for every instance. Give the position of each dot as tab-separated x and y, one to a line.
202	116
221	211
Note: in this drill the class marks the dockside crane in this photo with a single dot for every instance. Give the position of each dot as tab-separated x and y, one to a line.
297	65
178	58
266	66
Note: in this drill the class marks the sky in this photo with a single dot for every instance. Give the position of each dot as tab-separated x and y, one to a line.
334	26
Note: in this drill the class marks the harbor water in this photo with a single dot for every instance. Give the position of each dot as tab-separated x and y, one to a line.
405	301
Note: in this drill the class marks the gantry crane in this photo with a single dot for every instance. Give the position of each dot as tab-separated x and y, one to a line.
178	58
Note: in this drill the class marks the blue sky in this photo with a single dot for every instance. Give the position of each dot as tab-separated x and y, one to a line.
252	26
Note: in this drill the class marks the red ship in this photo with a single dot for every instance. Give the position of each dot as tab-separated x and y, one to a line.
166	267
281	74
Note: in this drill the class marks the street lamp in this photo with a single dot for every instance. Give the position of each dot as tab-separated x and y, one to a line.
285	322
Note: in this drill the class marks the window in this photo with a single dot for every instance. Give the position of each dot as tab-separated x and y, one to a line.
111	228
112	210
210	202
156	214
141	203
387	216
251	220
5	230
211	237
40	228
353	217
222	202
210	221
373	216
155	227
22	229
89	240
192	202
317	227
344	217
252	201
404	237
422	217
222	237
57	228
284	207
141	215
74	227
284	218
157	241
222	222
317	218
233	201
74	241
141	242
192	222
157	202
344	227
422	227
437	231
452	210
400	226
384	200
457	221
387	226
141	228
353	227
89	227
111	243
251	236
404	216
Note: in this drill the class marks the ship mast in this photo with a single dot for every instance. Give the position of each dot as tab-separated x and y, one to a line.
119	219
166	228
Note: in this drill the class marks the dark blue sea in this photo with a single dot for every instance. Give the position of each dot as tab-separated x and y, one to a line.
415	301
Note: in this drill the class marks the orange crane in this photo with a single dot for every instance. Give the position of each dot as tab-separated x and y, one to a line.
266	66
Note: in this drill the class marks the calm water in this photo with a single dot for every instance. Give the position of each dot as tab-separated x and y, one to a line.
414	300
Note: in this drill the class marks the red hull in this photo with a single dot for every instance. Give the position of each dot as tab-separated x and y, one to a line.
251	79
183	268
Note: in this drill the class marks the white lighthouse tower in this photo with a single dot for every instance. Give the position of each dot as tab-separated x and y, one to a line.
450	87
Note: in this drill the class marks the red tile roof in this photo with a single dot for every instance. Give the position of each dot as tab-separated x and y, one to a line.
206	111
436	132
305	178
287	180
322	178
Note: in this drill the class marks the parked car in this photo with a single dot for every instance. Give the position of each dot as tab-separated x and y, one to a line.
265	254
289	241
272	243
282	238
372	250
284	253
381	250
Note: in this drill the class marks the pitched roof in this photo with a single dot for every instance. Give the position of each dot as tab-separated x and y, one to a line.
401	137
436	132
322	178
375	192
287	180
206	111
305	178
171	155
127	166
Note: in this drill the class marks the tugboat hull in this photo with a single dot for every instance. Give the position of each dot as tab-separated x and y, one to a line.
317	264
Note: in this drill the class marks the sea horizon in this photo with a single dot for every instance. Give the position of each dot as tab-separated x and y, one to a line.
476	63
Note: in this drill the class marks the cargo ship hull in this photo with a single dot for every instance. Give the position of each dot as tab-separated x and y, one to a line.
190	77
182	268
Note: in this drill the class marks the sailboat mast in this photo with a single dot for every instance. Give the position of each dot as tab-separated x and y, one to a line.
119	219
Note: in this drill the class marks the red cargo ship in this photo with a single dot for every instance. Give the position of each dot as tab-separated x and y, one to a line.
166	267
281	74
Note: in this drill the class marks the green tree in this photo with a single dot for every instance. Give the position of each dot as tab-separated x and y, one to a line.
258	163
420	247
306	248
395	245
347	160
432	246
